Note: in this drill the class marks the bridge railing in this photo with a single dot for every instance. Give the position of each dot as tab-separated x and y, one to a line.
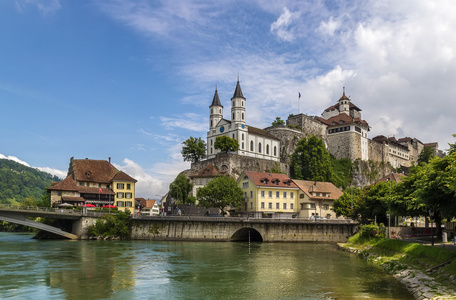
53	210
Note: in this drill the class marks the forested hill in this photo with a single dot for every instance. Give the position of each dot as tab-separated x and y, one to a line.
18	182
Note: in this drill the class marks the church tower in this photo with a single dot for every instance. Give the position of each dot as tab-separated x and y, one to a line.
344	104
238	106
216	111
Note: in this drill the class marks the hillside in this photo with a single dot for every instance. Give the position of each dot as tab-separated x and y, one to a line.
18	182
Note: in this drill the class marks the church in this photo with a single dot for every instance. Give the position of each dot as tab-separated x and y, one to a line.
253	142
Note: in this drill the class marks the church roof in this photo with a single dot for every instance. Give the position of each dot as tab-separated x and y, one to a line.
216	100
258	131
238	91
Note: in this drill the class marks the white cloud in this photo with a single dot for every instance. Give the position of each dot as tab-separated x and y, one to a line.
59	173
281	27
188	121
44	6
329	27
14	158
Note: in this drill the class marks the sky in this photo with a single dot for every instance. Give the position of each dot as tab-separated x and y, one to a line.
132	80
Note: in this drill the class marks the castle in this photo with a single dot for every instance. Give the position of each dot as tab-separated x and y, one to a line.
340	126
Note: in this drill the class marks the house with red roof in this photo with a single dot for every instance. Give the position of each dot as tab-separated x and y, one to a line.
267	195
94	182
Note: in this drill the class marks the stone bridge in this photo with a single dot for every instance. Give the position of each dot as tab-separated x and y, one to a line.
239	229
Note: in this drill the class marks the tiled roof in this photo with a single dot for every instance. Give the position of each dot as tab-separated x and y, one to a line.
208	171
396	177
99	171
73	199
122	176
390	140
266	179
257	131
321	187
346	119
95	190
350	107
68	184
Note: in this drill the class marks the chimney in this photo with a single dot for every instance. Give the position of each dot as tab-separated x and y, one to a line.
109	159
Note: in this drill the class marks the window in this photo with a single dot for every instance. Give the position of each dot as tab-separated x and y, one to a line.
233	116
251	194
242	136
128	186
251	205
270	194
120	186
291	206
284	194
245	194
120	203
120	195
262	194
128	195
277	194
245	185
267	149
259	147
301	196
284	206
325	206
128	204
251	145
270	205
275	150
242	145
312	205
291	195
242	116
262	205
277	205
59	193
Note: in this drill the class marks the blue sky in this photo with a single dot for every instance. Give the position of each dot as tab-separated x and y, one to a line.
131	80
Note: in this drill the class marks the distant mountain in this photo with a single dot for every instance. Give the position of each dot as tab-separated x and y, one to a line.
18	182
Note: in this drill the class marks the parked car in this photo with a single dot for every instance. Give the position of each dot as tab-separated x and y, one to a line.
316	218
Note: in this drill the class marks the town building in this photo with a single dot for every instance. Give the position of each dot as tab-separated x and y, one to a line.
253	142
149	207
316	198
205	175
95	182
267	195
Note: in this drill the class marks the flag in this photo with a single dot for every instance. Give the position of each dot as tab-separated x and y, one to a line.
299	94
101	191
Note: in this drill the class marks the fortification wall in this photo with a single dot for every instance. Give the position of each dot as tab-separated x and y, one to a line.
289	139
345	145
234	164
309	125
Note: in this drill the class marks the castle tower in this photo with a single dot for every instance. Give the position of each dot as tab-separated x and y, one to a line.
216	109
238	106
344	104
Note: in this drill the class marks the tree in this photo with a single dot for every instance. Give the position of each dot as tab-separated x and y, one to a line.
311	160
220	192
426	154
226	144
180	188
452	146
278	121
194	149
348	205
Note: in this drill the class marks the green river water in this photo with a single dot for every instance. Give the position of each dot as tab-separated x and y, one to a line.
63	269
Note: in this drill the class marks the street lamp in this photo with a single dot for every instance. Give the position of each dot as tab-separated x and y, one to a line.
431	216
389	224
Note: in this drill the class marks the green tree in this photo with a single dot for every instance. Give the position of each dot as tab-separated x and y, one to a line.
226	144
194	149
180	188
452	146
220	192
426	155
349	204
29	202
278	121
112	226
311	160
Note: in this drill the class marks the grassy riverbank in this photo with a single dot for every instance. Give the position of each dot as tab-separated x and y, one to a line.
429	272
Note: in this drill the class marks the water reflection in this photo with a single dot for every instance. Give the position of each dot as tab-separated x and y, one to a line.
186	270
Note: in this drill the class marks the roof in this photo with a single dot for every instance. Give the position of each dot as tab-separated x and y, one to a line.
344	97
238	91
321	187
344	118
146	203
100	171
389	140
216	100
257	131
350	107
68	184
122	176
73	199
266	179
208	171
396	177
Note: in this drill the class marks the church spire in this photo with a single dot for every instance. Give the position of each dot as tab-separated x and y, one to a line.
238	91
216	100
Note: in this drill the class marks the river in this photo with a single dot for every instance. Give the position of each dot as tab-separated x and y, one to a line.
64	269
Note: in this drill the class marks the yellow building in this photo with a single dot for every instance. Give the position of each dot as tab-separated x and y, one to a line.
94	182
268	195
316	199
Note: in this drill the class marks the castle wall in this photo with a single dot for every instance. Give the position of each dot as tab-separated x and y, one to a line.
308	125
289	139
234	164
345	145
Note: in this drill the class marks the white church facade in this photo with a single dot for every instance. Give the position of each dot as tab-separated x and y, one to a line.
253	142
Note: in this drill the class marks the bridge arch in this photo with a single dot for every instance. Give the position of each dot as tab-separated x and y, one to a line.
242	235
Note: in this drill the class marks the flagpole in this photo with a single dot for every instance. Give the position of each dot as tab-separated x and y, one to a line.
299	102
